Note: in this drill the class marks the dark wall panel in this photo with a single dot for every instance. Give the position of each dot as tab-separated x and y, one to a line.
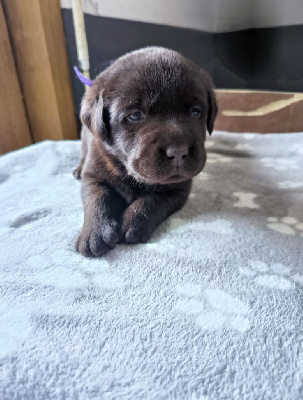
264	59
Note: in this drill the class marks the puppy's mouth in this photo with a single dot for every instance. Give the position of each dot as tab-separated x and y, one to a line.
165	176
175	179
181	175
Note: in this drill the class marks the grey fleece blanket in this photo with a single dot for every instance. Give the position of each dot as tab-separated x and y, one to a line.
211	308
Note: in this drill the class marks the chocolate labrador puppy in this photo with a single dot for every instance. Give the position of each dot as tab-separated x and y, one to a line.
144	126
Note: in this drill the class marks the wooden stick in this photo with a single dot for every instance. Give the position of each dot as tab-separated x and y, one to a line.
81	41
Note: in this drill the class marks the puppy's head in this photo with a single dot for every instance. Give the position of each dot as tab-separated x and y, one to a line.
151	109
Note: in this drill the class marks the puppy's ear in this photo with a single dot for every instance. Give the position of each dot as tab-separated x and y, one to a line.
212	110
92	114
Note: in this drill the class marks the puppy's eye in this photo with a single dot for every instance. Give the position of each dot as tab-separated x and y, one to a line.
195	111
135	117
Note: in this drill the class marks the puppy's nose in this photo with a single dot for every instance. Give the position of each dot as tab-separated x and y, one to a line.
177	155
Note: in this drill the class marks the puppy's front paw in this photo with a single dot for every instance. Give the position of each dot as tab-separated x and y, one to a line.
136	228
96	241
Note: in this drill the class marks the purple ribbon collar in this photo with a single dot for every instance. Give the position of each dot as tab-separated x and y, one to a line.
82	78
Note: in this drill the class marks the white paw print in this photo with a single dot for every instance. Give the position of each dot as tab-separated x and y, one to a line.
213	308
246	200
285	225
290	184
274	276
279	164
68	270
220	225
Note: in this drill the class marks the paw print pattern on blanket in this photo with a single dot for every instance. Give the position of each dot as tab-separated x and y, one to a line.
279	164
55	271
286	225
274	276
213	308
245	200
220	225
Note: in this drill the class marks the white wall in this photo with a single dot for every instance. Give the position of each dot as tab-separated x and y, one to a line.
231	15
206	15
277	12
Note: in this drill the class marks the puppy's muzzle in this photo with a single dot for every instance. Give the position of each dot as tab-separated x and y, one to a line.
177	155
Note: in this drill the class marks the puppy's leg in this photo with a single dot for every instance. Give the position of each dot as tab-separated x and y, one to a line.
86	137
142	217
102	212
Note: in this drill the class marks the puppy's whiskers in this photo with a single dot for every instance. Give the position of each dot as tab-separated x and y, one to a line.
141	212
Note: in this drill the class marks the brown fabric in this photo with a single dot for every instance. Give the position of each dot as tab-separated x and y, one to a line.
277	112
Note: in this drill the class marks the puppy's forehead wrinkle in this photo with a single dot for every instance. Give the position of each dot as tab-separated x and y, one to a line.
164	84
149	72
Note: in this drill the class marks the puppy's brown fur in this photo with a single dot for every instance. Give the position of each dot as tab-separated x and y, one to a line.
144	127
